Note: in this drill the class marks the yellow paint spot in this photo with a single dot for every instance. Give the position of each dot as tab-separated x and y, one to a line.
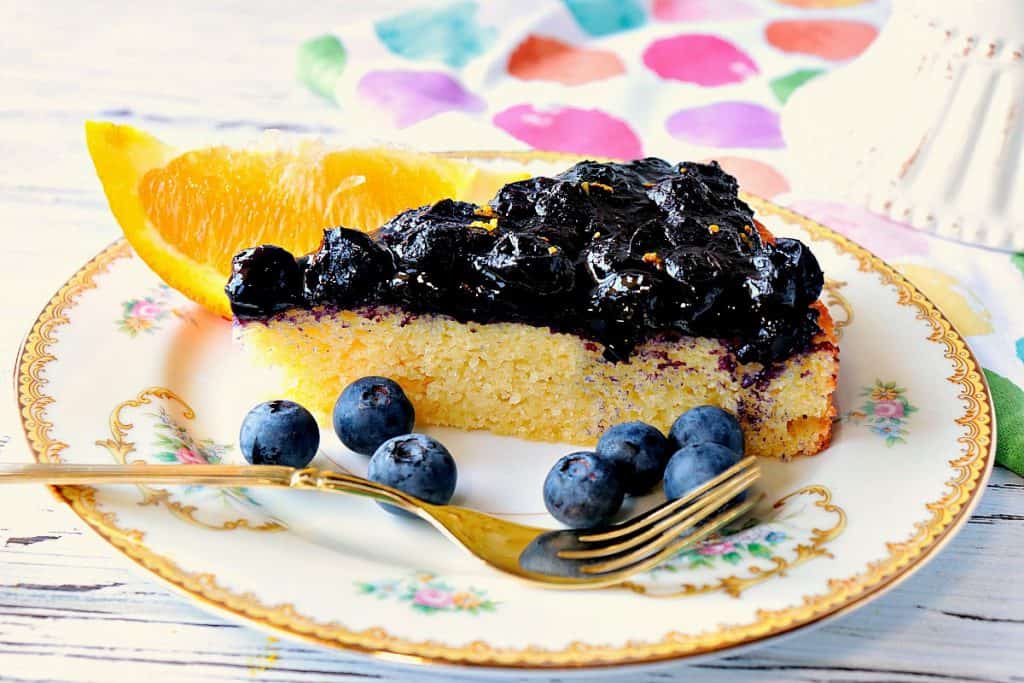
962	306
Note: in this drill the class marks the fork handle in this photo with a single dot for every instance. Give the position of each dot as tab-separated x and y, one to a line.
206	475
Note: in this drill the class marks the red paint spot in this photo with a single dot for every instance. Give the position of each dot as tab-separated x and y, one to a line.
830	39
568	129
539	58
755	177
699	58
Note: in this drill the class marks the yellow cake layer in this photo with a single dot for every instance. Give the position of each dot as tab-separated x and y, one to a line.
532	383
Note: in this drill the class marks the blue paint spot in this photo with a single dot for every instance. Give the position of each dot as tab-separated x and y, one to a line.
449	34
604	17
1020	349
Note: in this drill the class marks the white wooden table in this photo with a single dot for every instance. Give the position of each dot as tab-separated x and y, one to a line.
71	609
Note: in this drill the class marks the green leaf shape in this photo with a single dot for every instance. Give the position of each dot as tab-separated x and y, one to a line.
784	86
758	550
732	558
1009	402
321	62
1018	260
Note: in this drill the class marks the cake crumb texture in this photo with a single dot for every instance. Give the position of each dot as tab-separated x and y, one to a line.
530	382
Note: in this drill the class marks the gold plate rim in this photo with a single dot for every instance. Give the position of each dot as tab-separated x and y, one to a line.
971	471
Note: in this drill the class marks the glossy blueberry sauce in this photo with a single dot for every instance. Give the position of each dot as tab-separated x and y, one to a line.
614	253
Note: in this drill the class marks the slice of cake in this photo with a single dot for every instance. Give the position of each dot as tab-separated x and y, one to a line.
607	293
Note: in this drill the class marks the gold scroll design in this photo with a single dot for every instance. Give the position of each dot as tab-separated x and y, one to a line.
735	585
120	448
836	299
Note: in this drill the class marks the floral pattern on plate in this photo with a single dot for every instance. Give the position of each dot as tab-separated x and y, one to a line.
171	441
885	411
796	529
754	539
174	443
145	314
427	593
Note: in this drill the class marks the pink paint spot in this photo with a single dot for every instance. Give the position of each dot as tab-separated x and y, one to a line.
702	10
886	238
699	58
539	58
568	129
412	96
755	177
830	39
727	124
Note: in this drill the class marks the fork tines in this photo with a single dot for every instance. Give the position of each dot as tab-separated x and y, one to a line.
668	528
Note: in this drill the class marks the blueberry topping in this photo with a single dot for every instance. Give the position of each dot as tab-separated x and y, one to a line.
583	490
707	424
614	252
264	280
417	465
370	411
696	464
279	433
521	264
792	257
348	269
640	452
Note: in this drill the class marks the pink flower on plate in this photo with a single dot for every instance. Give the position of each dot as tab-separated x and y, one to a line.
147	310
187	455
716	548
432	597
889	408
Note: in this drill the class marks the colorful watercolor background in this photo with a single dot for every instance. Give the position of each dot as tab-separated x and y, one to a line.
680	79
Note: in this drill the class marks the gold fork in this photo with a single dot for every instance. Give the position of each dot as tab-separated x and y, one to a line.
569	558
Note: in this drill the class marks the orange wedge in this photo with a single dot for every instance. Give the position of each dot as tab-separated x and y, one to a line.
187	214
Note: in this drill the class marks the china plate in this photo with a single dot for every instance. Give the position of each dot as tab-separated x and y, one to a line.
119	367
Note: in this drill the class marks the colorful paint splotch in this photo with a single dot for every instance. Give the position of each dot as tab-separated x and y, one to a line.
321	62
569	129
886	238
784	86
755	177
727	124
605	17
450	34
962	305
1009	404
822	4
539	58
702	10
412	96
832	39
699	58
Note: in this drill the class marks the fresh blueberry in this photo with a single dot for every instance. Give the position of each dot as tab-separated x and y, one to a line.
416	464
370	411
639	450
279	433
707	424
583	490
694	465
